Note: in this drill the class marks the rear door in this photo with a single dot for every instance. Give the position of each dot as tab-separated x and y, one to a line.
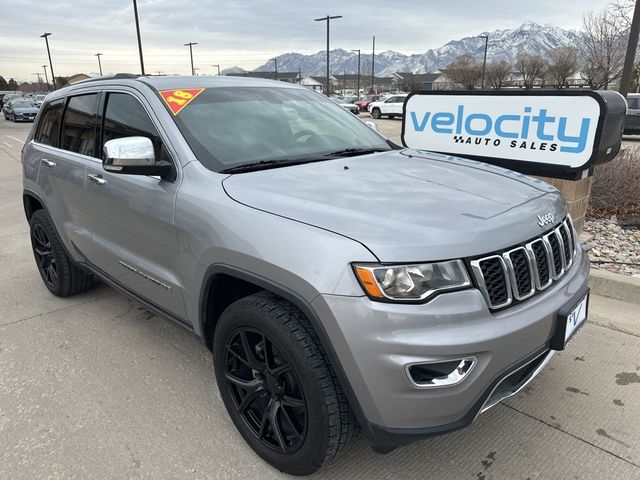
135	240
63	144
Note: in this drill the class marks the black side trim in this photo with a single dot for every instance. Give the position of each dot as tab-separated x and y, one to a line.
385	440
310	313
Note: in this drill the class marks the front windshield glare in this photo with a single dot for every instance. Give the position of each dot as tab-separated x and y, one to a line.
227	127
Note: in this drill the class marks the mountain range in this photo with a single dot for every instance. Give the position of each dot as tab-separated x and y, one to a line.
505	44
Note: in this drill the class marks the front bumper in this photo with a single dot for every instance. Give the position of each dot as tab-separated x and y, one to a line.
375	341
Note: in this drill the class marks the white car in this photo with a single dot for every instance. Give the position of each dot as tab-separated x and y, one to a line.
390	106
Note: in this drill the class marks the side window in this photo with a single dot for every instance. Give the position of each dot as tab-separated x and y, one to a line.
632	102
124	116
48	132
79	124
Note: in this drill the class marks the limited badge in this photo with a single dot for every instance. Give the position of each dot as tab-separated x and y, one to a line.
176	100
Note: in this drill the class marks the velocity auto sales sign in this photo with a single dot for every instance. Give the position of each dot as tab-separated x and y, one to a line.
542	133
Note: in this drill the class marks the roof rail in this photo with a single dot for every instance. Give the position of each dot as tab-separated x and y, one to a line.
109	77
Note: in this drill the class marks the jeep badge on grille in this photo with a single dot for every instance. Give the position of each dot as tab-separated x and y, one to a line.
545	219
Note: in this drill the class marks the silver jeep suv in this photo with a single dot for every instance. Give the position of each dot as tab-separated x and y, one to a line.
344	284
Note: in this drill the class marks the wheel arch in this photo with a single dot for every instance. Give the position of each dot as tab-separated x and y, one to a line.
31	202
254	282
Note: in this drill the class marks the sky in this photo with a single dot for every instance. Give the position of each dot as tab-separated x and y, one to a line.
245	33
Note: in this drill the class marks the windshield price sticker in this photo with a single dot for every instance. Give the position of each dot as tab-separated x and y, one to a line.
177	100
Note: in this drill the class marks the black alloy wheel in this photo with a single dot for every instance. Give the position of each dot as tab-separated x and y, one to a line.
43	253
265	390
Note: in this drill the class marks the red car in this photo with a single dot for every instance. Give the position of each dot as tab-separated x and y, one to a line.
364	103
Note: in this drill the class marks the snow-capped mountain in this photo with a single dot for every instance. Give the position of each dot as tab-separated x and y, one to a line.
506	44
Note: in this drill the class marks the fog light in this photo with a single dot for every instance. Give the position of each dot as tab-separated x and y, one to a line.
440	374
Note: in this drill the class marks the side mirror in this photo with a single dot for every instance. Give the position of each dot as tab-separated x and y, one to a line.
134	156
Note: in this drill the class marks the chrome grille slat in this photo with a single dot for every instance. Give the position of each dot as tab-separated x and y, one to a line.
518	273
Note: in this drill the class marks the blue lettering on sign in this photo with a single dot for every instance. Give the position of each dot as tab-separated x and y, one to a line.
539	125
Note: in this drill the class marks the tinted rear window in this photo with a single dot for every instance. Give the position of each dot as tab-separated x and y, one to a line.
49	127
79	124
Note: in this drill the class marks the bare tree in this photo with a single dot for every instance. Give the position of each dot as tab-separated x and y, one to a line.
464	70
410	83
563	64
498	73
622	11
604	44
531	68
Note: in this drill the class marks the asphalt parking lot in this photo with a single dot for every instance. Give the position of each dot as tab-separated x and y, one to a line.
96	387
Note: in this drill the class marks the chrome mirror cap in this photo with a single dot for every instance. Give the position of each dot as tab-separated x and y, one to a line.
128	152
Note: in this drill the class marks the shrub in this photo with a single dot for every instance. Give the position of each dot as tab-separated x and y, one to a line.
616	185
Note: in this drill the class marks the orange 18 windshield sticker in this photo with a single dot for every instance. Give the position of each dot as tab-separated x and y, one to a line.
176	100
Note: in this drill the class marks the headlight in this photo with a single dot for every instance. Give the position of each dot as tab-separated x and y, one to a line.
413	282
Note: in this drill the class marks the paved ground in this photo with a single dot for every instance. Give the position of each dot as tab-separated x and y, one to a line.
96	387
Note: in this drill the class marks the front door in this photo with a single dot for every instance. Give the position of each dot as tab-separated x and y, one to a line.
135	239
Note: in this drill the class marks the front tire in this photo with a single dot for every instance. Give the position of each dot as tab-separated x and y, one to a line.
375	113
59	274
278	387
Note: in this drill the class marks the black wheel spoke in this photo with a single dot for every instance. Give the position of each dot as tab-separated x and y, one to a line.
294	429
251	385
248	400
239	357
293	402
279	370
248	351
275	425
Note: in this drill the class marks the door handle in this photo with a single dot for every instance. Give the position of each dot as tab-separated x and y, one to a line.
97	179
47	163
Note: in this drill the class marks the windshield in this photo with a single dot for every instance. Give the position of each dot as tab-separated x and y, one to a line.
21	104
228	127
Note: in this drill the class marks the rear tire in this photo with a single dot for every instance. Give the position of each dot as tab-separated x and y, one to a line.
375	113
262	334
59	274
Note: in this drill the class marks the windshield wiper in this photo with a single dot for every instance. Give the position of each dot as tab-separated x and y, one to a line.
247	167
352	152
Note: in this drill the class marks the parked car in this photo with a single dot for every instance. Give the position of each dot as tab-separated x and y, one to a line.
364	103
19	110
390	106
349	98
632	119
347	106
10	96
38	99
342	283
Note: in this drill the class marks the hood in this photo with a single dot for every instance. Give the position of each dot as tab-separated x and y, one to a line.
26	110
406	206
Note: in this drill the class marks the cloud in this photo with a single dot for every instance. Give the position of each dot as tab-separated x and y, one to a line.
246	32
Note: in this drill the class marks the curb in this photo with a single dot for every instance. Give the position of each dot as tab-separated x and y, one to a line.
614	285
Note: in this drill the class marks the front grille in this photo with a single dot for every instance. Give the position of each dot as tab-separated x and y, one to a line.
518	273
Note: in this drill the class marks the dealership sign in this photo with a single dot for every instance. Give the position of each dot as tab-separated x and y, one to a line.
543	132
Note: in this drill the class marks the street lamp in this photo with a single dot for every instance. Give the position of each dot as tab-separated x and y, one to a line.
99	63
53	78
327	19
39	80
275	62
373	65
484	63
46	78
190	45
135	14
216	65
358	50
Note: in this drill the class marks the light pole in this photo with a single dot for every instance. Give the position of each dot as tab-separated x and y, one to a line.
135	14
46	78
46	40
484	62
195	70
275	62
358	92
373	64
632	46
327	19
39	80
190	45
216	65
99	63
